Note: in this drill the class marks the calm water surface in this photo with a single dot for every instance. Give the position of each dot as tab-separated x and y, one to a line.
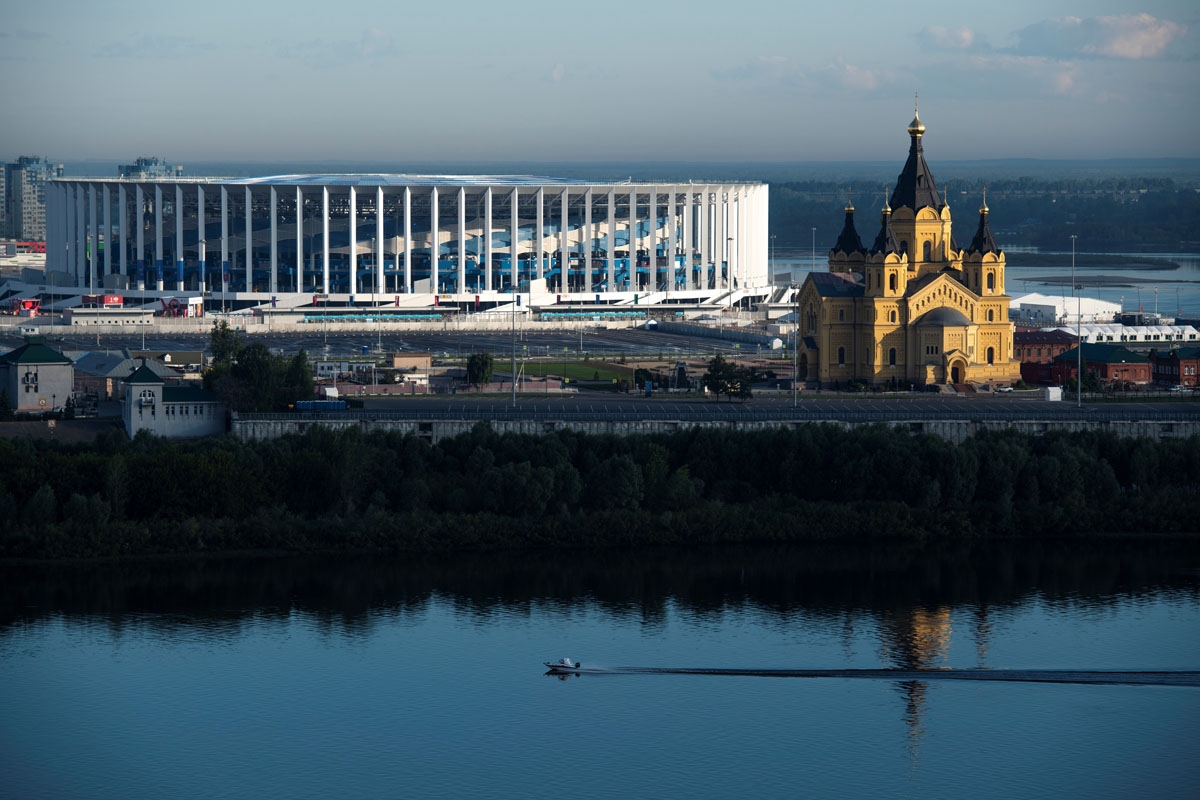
357	677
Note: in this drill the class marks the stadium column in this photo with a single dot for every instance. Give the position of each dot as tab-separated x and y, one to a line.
274	285
633	256
123	229
725	246
298	286
702	228
178	238
462	239
80	237
652	245
435	244
379	284
672	246
69	219
140	207
93	237
739	236
201	236
611	241
514	241
541	232
586	239
689	278
353	251
325	239
249	265
408	287
158	238
487	243
107	229
564	245
224	242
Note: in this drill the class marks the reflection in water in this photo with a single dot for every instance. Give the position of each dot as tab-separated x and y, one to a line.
910	588
895	606
915	638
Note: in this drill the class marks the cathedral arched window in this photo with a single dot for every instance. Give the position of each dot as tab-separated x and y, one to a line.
991	281
841	315
892	315
892	357
892	282
927	251
991	315
991	355
841	356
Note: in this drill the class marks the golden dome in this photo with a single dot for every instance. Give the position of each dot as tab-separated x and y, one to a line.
916	127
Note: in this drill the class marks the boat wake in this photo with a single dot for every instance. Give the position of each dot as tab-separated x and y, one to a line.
1187	678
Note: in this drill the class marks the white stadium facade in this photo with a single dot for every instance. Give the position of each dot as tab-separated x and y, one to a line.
408	241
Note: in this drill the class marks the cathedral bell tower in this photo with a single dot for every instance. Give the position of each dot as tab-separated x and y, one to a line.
921	218
886	272
983	263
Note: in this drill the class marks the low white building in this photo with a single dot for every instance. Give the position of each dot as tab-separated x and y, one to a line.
1154	335
177	412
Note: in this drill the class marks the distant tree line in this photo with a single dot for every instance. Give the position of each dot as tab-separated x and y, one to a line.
1142	214
351	491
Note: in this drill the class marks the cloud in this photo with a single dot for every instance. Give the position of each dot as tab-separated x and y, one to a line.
376	42
778	69
938	37
156	48
1125	36
1061	76
852	76
23	35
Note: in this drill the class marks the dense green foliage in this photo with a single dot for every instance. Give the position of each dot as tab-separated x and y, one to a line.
330	490
479	368
727	378
249	378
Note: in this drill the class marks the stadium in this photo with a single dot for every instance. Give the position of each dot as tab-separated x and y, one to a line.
408	242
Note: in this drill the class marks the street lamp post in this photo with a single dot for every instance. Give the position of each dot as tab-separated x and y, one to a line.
514	347
772	256
1078	331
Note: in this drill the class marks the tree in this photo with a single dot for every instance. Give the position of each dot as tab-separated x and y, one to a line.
727	378
225	343
6	408
479	368
297	382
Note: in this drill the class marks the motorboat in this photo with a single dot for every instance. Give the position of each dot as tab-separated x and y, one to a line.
564	666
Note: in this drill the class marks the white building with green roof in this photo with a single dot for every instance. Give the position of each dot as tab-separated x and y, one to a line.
177	412
37	378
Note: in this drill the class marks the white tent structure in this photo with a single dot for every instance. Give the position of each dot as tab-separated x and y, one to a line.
1043	310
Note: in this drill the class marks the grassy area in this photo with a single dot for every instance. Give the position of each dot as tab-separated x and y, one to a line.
577	370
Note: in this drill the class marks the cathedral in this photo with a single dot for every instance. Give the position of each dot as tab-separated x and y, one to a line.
913	309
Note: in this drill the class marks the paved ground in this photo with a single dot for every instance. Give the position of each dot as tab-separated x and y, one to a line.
446	343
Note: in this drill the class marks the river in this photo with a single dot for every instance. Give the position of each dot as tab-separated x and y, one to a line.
401	677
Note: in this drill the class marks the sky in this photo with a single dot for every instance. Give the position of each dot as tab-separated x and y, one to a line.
651	80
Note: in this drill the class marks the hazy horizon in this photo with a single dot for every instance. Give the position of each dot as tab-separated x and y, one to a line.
629	82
